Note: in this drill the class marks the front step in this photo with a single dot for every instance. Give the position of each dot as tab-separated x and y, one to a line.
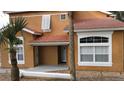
44	74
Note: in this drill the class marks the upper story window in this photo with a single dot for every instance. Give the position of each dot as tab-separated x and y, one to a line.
46	23
63	17
95	49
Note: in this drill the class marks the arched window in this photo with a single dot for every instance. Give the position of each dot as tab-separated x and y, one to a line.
94	39
95	49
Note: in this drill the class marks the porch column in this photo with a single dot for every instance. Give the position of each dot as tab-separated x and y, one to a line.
36	55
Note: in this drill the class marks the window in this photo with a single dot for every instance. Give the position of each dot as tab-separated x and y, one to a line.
63	17
94	49
94	54
19	52
94	39
46	23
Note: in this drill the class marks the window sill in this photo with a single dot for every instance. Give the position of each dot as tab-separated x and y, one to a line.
95	64
46	30
18	62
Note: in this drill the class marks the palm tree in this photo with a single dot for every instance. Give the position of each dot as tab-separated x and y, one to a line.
71	46
8	37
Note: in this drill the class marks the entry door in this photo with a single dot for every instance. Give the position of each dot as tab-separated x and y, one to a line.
63	54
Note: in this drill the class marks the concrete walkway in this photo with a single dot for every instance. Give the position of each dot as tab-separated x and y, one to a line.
47	68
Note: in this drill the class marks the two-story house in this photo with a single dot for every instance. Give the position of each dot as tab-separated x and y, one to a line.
98	40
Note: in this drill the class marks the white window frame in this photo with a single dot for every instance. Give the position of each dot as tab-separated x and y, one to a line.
107	34
43	24
61	17
21	45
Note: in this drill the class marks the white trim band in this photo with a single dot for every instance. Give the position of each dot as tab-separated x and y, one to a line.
30	31
35	15
96	29
49	43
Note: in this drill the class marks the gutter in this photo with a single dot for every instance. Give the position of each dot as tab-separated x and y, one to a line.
48	43
95	29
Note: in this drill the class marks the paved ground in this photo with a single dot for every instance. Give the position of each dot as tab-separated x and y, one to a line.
47	68
85	76
6	77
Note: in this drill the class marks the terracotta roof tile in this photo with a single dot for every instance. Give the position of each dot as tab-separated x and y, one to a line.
52	38
98	23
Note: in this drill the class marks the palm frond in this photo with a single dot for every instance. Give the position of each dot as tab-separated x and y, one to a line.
3	40
17	41
9	32
19	24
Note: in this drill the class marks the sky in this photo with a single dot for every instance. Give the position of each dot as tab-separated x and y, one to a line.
4	19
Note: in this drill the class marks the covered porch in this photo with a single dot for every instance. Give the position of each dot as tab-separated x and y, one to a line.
50	56
51	50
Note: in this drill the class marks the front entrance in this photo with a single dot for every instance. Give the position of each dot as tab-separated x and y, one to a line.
50	55
62	55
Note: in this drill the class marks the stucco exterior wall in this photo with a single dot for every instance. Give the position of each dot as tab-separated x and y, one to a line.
81	15
49	55
34	20
117	54
28	53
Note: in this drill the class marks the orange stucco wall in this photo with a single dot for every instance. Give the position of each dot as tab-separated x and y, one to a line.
34	20
57	27
88	15
48	55
28	53
117	54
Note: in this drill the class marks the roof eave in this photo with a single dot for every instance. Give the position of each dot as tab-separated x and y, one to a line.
95	29
12	12
99	29
48	43
108	13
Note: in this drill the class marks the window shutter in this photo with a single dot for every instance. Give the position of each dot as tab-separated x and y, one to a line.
46	23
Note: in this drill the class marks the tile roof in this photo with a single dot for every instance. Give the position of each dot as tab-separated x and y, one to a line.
52	38
98	23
